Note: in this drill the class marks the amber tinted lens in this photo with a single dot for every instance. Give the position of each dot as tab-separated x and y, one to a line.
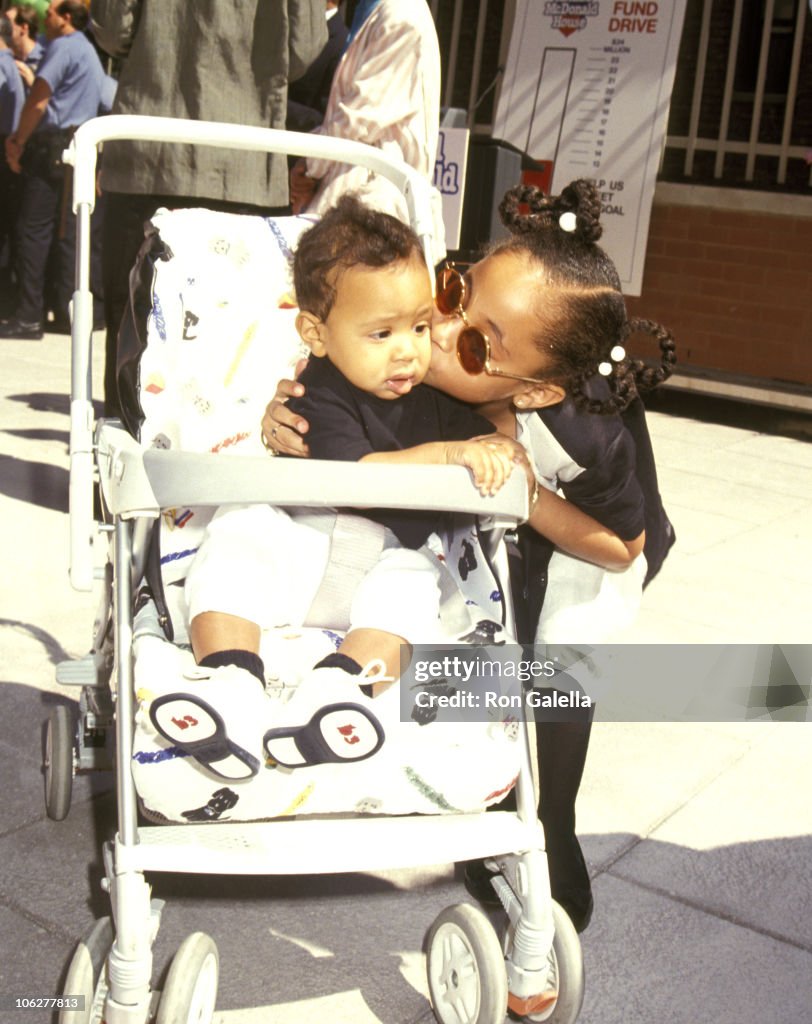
450	291
472	350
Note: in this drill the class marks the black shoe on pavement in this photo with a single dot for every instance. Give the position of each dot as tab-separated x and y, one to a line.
21	329
578	906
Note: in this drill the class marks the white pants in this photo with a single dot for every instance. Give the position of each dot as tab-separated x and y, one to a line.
259	564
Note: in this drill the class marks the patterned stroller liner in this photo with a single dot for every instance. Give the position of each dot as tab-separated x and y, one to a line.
218	332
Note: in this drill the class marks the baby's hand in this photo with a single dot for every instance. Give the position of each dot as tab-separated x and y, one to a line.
491	459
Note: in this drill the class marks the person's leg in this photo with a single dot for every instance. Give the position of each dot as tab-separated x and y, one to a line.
396	602
238	579
122	236
364	646
561	749
331	716
64	269
96	263
10	186
213	632
36	223
219	639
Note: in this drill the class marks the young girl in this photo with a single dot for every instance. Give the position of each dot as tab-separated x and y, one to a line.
534	337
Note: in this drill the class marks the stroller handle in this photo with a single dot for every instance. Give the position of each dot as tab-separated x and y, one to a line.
81	154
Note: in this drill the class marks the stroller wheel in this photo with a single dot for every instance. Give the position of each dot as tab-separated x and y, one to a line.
190	991
58	762
466	968
566	972
87	975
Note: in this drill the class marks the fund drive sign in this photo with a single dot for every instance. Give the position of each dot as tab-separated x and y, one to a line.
585	93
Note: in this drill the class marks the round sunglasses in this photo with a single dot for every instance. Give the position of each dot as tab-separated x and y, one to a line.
473	346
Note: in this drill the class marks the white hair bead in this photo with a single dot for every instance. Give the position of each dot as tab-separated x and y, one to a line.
604	369
567	221
618	353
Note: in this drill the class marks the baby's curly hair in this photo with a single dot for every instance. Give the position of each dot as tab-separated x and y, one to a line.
584	317
349	234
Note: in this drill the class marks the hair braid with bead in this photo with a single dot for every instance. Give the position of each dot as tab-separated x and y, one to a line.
584	319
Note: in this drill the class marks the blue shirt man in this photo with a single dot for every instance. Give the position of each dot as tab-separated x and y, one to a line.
72	71
70	80
69	89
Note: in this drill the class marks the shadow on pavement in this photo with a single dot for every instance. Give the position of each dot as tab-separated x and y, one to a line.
38	483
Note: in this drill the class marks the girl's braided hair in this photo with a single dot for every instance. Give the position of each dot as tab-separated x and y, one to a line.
584	316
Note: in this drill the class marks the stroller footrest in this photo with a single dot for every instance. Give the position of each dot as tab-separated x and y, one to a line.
78	671
295	847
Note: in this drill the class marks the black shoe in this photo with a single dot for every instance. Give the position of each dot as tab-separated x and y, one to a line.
477	880
22	329
59	325
578	906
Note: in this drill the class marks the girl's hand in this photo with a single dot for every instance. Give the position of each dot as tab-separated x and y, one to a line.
518	455
491	460
282	429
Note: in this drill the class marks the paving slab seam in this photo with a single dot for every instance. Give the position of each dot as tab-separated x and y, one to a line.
41	922
76	801
6	833
700	788
712	912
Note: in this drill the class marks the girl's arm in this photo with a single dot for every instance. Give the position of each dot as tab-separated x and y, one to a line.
579	534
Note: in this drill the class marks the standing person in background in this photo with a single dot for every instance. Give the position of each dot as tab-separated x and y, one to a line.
201	61
12	98
67	91
307	97
25	42
386	93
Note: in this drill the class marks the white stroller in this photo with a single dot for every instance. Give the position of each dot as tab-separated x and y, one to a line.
533	969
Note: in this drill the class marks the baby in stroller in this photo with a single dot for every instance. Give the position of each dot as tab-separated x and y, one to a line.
365	302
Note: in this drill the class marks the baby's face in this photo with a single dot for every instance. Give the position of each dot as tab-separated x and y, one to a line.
378	331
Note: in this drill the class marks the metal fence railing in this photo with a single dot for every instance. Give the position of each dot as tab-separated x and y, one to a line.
741	68
741	112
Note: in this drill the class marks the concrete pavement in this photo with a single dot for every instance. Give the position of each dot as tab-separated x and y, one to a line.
699	837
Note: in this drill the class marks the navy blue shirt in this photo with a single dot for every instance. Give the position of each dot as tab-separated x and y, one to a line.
347	423
612	477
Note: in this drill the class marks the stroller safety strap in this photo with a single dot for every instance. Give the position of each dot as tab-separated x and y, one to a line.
355	546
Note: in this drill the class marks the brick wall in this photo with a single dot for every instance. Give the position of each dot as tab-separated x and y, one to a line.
733	285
